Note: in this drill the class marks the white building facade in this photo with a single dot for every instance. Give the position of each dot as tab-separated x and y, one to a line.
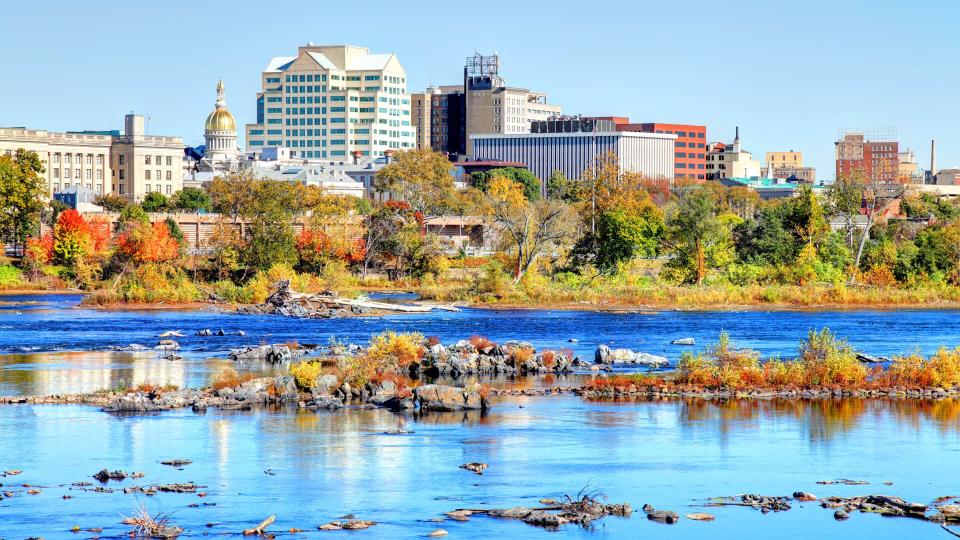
650	154
333	102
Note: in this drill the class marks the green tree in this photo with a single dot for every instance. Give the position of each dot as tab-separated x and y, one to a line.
698	240
154	202
176	232
132	214
22	192
110	202
623	235
561	187
192	199
844	199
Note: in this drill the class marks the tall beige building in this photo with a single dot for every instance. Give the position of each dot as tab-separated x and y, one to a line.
69	159
779	160
789	165
331	102
143	163
420	114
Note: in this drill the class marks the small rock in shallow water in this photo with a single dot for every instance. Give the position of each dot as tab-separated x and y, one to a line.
841	515
804	496
661	516
700	516
474	467
684	341
438	532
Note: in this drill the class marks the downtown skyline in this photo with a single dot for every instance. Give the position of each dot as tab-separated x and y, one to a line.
790	76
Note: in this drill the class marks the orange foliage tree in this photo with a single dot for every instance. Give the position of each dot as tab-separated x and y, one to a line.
146	243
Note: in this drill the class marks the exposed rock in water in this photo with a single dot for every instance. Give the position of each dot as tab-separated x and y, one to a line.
437	533
176	462
606	355
804	496
274	354
844	482
870	359
439	397
684	341
474	467
877	504
662	516
700	516
352	525
760	502
167	345
581	511
841	515
105	475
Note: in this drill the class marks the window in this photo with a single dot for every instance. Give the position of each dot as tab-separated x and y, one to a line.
99	174
121	185
100	159
159	160
169	177
147	187
56	173
158	177
121	159
168	188
89	175
56	158
122	175
66	159
169	161
146	176
76	173
146	160
89	159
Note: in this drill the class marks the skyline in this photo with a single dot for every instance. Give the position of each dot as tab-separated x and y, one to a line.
785	89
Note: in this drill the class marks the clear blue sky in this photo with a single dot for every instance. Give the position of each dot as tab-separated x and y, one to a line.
789	74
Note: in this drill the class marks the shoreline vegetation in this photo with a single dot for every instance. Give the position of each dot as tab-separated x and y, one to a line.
606	239
397	370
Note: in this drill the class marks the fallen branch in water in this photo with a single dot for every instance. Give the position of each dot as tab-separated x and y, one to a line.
259	529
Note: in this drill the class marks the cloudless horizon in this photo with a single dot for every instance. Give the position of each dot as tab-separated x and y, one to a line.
790	75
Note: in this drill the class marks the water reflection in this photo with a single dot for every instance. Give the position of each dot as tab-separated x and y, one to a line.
821	419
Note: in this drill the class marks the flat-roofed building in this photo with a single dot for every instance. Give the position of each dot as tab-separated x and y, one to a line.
68	159
650	154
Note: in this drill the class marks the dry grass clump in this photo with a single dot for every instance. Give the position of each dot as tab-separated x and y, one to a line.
403	349
306	373
521	354
145	525
823	361
228	377
940	370
549	359
155	389
480	342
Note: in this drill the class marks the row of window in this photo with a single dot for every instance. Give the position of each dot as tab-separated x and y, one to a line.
684	166
77	173
146	160
689	155
55	158
56	187
147	188
159	176
681	144
691	134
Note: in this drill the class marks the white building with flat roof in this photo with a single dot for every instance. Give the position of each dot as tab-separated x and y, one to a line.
333	102
650	154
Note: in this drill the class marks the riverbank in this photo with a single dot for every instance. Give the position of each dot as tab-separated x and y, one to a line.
606	294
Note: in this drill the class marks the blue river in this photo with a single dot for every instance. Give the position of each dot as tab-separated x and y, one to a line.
309	468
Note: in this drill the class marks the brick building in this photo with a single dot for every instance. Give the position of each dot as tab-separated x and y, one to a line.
878	160
690	147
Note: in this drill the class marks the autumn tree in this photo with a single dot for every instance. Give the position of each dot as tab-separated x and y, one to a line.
22	192
845	199
530	183
529	228
233	195
423	178
224	246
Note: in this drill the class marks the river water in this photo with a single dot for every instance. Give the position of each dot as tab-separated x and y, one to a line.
309	468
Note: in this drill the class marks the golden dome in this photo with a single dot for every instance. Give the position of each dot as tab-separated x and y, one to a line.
220	120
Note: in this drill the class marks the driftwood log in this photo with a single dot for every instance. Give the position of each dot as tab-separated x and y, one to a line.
259	529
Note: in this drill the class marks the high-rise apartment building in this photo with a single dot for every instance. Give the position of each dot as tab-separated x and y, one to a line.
333	101
878	161
420	112
483	104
